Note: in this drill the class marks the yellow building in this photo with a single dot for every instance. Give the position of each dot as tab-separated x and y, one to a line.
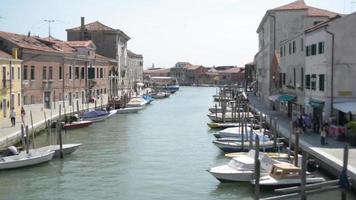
10	94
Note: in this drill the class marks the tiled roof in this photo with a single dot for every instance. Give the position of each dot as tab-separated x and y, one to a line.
94	26
192	67
156	70
5	55
86	43
28	42
232	70
321	24
312	11
132	54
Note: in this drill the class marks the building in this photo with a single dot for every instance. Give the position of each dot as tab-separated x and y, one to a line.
250	75
156	72
10	95
135	66
179	71
232	76
111	43
55	70
278	25
330	69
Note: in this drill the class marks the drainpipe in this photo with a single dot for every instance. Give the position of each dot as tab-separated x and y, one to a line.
274	41
332	70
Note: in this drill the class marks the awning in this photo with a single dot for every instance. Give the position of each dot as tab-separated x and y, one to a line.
316	103
274	97
346	107
286	98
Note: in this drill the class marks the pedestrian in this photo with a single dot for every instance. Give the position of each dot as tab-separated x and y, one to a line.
13	116
322	135
23	114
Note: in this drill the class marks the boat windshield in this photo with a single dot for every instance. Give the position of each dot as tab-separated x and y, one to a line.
235	164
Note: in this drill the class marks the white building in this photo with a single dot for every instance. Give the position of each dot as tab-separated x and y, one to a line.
330	68
277	25
135	67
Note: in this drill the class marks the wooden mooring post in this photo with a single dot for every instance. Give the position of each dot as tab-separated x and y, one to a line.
23	141
257	168
33	131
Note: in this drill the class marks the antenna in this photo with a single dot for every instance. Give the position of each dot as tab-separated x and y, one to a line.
49	21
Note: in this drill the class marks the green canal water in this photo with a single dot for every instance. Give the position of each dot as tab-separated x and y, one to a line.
161	152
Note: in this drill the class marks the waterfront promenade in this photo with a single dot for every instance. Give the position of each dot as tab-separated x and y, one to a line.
330	154
11	135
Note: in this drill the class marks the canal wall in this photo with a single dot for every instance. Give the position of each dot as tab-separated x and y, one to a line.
12	135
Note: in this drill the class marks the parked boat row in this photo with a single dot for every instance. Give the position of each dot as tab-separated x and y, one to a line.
240	129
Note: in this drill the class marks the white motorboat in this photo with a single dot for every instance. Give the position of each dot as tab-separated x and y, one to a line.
95	115
112	113
23	159
242	168
137	102
236	132
285	174
236	146
67	149
218	117
129	110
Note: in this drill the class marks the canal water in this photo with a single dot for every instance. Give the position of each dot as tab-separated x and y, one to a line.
161	152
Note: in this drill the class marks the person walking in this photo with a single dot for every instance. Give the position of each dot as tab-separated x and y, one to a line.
23	114
322	135
13	117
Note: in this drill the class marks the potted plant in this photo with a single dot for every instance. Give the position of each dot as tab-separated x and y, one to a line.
351	132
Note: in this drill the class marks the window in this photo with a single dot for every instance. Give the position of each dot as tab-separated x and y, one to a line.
50	73
91	73
104	90
70	72
32	72
293	46
76	73
18	99
316	22
97	72
18	73
290	48
44	73
294	78
307	81
313	49
280	79
82	73
307	51
321	47
301	44
321	82
60	72
12	73
101	73
281	51
25	72
284	78
313	81
284	52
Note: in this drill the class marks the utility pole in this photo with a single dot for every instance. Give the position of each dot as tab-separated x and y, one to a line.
49	21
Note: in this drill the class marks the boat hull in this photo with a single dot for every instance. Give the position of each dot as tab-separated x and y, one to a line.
75	125
35	157
67	149
129	110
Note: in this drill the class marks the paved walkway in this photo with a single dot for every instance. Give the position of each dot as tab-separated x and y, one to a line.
332	153
11	135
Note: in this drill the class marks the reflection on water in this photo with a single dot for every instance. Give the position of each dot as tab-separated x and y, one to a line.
162	152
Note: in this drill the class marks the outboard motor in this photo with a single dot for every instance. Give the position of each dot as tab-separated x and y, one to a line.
12	150
312	165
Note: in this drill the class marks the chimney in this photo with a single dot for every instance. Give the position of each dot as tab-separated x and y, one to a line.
14	53
82	28
29	34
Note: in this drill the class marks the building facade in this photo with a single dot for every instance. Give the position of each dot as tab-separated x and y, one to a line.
10	95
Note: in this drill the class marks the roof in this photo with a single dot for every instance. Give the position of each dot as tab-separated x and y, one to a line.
30	42
192	67
132	54
94	26
300	5
87	43
155	71
321	24
101	57
5	55
232	70
98	26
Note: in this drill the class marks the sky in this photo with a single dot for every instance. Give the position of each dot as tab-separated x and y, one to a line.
202	32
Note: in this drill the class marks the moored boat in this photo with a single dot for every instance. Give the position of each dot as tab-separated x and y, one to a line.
23	159
285	174
67	149
95	115
236	146
77	124
129	110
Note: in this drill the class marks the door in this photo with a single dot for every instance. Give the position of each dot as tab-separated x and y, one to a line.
47	100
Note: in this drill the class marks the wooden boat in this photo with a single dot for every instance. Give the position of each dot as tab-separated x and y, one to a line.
235	146
23	159
218	117
219	109
236	132
272	155
77	124
137	102
215	125
67	149
129	110
242	168
285	174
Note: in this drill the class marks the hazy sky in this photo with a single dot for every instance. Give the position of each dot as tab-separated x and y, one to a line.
207	32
